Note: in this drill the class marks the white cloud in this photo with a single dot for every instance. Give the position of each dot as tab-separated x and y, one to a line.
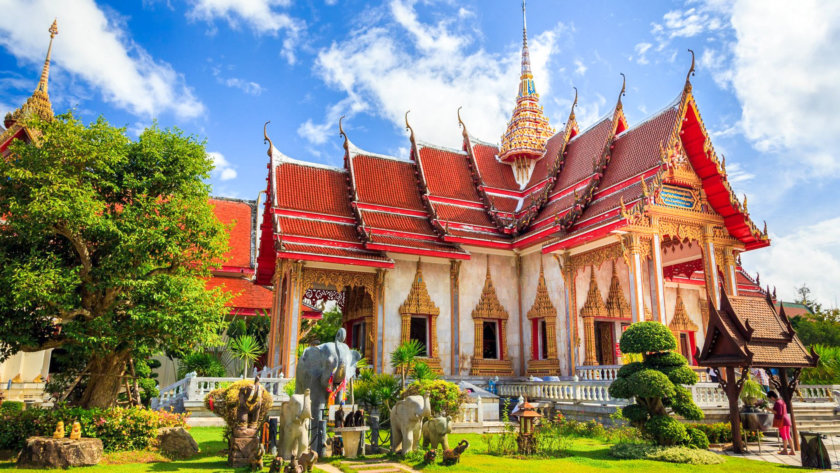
247	86
641	50
99	51
223	171
431	70
580	67
262	16
809	255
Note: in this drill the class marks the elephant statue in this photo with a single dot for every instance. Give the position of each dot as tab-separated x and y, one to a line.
434	432
406	420
325	366
293	424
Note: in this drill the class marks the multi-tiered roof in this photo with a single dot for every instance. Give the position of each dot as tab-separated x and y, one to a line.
581	186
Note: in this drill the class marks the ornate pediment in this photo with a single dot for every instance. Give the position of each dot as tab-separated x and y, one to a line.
617	305
542	308
418	301
594	305
488	306
681	322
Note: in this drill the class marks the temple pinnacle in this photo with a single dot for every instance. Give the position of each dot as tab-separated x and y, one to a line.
45	72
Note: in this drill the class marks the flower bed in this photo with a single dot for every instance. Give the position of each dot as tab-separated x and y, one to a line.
119	428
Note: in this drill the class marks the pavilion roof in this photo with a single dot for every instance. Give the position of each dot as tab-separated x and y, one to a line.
749	332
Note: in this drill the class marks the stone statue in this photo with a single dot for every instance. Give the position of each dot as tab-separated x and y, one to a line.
339	417
76	431
293	423
276	465
451	457
249	409
406	420
257	461
307	460
359	418
435	432
325	367
293	466
59	430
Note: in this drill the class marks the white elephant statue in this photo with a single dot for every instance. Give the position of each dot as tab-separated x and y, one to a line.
435	432
406	420
293	424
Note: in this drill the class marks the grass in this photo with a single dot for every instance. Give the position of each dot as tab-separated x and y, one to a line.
585	455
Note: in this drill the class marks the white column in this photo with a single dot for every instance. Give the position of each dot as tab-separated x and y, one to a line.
658	279
711	265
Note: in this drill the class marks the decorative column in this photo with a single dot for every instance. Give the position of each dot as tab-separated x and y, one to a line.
710	265
455	349
658	279
637	298
276	315
379	316
291	318
730	280
571	306
518	262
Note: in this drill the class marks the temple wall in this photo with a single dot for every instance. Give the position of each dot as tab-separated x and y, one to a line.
691	299
555	285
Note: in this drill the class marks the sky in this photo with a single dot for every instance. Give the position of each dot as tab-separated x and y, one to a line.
766	85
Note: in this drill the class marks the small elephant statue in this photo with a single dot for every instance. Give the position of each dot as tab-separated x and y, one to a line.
307	460
429	457
339	417
276	465
359	418
451	457
293	466
337	445
406	421
293	424
435	432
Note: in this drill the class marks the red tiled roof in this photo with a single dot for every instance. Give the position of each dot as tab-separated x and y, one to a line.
581	151
312	189
447	174
402	223
504	203
469	215
318	229
637	149
493	173
541	168
246	294
239	214
318	250
410	244
387	182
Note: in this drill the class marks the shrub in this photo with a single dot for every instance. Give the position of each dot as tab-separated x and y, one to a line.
377	392
697	439
225	401
721	432
289	388
664	360
647	337
667	431
629	369
650	383
692	456
203	364
119	428
445	397
11	407
631	451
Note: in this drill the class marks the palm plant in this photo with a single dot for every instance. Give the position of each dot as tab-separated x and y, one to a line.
404	357
245	348
423	372
827	370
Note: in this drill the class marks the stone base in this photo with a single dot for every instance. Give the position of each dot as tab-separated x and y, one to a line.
489	367
176	442
47	452
546	367
244	444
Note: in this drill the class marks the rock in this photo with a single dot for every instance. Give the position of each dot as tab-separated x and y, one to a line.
47	452
176	442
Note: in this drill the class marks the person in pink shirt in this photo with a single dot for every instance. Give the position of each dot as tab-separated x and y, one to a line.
781	420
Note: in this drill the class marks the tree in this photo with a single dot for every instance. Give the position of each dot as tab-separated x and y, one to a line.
323	330
404	357
105	248
656	383
246	349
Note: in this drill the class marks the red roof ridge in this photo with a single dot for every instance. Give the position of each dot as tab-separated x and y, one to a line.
426	144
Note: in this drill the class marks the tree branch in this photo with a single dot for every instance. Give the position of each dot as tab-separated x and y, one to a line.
80	247
72	314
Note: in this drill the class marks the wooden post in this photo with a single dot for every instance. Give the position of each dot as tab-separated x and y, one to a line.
787	389
732	386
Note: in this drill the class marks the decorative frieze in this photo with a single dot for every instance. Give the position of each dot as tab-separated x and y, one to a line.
491	310
543	309
418	303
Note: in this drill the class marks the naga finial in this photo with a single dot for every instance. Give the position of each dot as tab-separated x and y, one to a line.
408	127
574	103
266	139
462	124
623	85
690	70
342	134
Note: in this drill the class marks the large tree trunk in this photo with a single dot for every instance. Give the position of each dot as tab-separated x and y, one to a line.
105	380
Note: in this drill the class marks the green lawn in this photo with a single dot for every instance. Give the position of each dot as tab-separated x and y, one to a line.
586	455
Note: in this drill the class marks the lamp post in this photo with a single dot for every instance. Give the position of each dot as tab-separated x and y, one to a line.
527	418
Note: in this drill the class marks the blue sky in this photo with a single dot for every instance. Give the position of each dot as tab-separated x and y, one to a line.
766	84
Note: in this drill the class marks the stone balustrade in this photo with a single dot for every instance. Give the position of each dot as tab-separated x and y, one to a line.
470	413
193	389
572	391
597	372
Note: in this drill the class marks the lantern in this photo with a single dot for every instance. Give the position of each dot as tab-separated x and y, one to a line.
527	418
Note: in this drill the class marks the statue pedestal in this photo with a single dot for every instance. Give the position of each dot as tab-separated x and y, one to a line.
244	444
47	452
352	436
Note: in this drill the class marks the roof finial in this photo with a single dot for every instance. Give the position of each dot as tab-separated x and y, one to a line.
462	124
690	70
267	139
526	56
408	127
45	72
341	133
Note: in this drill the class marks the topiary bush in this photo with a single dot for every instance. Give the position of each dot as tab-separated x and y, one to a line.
697	439
656	384
445	397
224	401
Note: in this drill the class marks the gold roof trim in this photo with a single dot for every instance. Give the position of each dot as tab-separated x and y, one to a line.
681	322
542	308
418	301
617	305
488	306
594	305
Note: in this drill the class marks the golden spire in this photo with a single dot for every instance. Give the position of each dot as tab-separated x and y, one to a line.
39	102
528	128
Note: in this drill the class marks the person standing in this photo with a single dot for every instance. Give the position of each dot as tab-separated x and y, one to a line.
781	421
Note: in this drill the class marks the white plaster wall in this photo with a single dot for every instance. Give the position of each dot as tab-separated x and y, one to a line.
554	283
398	283
691	299
26	364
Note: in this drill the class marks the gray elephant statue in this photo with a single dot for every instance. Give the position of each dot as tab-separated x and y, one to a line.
406	420
293	424
435	432
319	364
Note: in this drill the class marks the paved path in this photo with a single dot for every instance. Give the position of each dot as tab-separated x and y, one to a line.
372	466
769	447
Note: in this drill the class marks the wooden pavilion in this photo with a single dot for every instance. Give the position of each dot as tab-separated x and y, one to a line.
748	332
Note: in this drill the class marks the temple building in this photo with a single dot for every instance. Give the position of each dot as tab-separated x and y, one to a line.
527	257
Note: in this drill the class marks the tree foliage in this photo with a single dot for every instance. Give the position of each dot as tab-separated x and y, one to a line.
656	384
105	247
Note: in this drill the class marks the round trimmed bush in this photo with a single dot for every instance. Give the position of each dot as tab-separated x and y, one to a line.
665	360
681	375
647	337
697	439
666	430
635	413
630	369
620	388
683	404
650	383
